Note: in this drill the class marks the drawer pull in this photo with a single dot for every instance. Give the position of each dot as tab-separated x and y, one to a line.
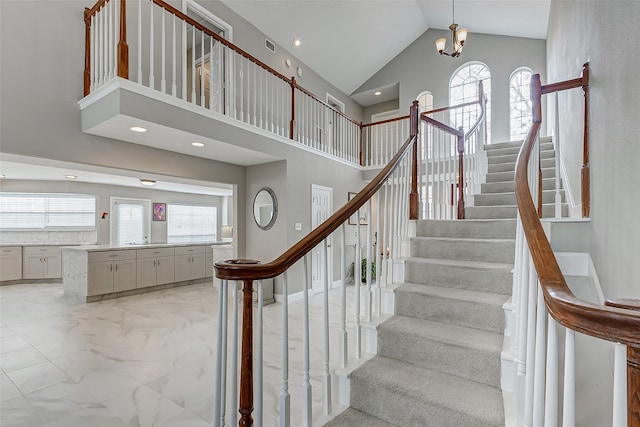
113	256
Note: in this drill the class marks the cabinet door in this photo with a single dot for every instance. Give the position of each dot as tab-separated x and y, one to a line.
124	275
146	272
33	266
10	267
208	262
197	266
182	268
100	280
165	270
52	266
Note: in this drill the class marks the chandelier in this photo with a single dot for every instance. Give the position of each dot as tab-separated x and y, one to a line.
458	37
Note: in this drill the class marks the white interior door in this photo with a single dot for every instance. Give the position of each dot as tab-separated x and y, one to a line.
321	208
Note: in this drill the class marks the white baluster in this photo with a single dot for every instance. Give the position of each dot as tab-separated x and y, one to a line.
539	370
306	384
384	238
378	257
556	143
326	375
530	367
368	300
551	389
356	282
92	35
223	327
211	92
108	9
99	28
233	398
258	363
569	398
620	386
285	412
219	388
163	77
343	301
193	65
174	85
184	61
140	42
151	48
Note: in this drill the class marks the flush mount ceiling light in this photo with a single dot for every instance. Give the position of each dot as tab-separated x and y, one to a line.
458	37
297	41
71	177
378	93
197	144
147	182
2	176
138	129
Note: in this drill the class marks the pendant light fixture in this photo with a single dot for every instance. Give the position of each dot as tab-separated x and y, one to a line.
458	37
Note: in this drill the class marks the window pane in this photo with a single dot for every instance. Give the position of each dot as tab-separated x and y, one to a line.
464	88
130	223
187	223
520	103
32	211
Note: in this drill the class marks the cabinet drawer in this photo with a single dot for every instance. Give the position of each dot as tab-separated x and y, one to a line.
13	250
111	255
153	253
190	250
42	250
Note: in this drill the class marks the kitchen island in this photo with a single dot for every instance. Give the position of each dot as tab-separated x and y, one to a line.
98	272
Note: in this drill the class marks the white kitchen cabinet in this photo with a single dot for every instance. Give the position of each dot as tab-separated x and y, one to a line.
42	262
208	262
111	271
190	263
155	267
11	263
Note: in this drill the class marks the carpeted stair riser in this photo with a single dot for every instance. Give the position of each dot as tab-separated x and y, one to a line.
509	144
497	212
438	305
409	396
510	186
485	250
509	199
547	146
509	176
484	277
464	352
510	167
501	229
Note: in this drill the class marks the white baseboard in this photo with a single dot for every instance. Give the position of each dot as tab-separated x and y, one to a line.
298	296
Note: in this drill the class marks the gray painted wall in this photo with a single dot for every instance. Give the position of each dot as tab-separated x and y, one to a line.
589	31
419	67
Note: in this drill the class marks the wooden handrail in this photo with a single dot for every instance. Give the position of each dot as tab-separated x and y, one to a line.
452	107
442	126
381	122
233	271
616	321
607	323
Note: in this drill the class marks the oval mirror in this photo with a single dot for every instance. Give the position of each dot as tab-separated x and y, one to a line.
265	208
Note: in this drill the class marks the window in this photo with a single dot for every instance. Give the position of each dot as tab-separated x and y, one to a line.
520	103
425	103
130	221
463	88
32	211
187	224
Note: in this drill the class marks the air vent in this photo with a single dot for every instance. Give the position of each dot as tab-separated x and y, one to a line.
270	45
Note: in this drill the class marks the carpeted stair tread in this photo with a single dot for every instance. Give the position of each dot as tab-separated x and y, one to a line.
465	352
509	186
509	198
507	211
407	395
353	418
466	295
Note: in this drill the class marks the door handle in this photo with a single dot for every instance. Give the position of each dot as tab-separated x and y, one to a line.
116	267
111	267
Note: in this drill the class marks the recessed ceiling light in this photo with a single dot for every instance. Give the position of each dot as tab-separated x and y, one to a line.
71	177
2	176
138	129
147	182
197	144
297	41
378	93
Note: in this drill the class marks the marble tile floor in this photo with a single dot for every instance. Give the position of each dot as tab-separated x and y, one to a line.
144	360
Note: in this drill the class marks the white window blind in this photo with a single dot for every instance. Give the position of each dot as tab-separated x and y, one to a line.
130	222
33	211
187	223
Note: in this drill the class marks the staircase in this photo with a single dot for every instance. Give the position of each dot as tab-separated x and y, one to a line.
438	360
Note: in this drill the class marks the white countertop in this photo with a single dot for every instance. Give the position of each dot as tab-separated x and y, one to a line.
95	248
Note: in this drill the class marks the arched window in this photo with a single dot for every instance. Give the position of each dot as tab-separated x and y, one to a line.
425	101
520	103
463	88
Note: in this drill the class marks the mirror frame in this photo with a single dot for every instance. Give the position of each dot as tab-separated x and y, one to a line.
275	208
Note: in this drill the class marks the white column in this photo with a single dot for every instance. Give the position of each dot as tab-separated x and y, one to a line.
326	375
306	385
258	388
219	390
620	386
284	395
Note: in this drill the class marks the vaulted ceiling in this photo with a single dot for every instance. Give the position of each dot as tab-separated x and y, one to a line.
347	41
